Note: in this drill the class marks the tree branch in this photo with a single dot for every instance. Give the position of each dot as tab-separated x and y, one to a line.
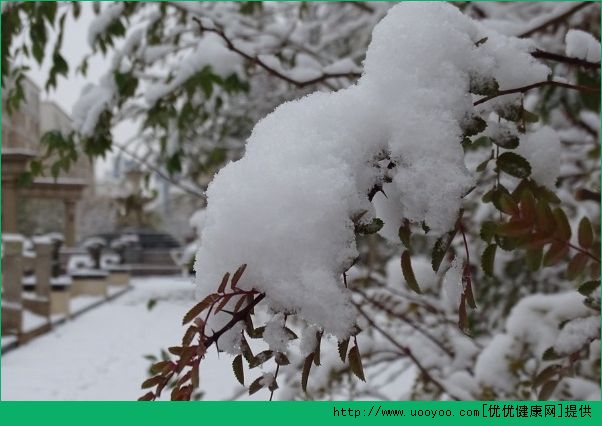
556	19
524	89
541	54
159	172
257	61
406	351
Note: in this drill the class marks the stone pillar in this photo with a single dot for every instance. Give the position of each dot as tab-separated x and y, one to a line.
43	266
70	223
9	207
12	273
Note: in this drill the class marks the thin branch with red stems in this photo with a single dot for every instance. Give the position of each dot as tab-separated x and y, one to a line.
406	351
524	89
578	249
277	367
407	321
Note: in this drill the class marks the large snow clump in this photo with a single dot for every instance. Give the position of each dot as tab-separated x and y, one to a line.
287	208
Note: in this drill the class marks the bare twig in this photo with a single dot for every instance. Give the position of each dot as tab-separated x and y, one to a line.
257	61
524	89
555	57
158	171
406	320
406	351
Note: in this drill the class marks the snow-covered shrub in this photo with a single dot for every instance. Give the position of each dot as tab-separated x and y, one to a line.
389	155
432	228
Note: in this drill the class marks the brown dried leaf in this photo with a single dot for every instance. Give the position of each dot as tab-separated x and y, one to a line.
238	274
200	307
224	283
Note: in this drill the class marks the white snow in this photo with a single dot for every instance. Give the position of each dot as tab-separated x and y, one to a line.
582	45
576	333
309	340
209	51
105	18
230	341
286	207
8	237
267	379
93	100
452	284
491	368
542	149
535	319
423	271
275	334
73	363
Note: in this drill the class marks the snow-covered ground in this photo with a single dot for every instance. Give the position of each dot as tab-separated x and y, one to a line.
101	354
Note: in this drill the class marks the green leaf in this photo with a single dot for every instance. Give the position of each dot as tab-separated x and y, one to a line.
586	233
483	165
440	248
371	228
238	369
48	9
256	385
588	287
151	304
481	41
281	359
261	358
488	259
514	165
546	374
408	272
405	234
547	390
504	202
506	140
317	350
529	117
473	125
483	85
550	354
305	373
512	112
126	84
355	363
343	345
488	229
